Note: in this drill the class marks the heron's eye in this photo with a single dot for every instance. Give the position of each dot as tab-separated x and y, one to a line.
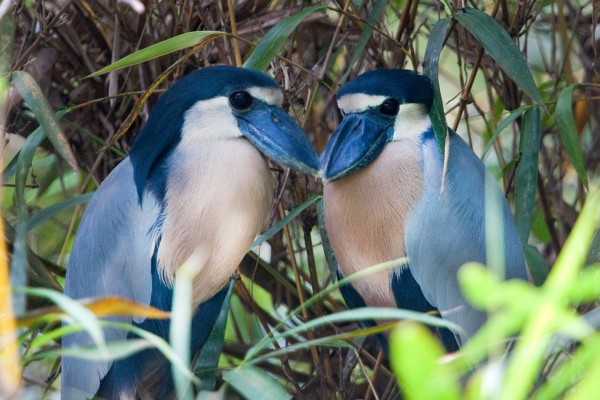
390	107
240	100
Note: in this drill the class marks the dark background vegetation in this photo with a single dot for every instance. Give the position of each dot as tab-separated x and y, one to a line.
60	43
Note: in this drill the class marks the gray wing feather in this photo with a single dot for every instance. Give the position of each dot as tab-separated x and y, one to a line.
111	256
447	229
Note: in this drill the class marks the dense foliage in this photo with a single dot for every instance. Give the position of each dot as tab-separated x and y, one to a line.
518	80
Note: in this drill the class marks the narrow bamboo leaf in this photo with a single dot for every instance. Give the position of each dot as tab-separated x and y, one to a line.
527	171
272	43
35	139
329	341
207	361
540	227
160	49
514	114
114	350
428	378
499	45
181	320
366	33
75	310
103	307
537	265
38	265
286	220
431	61
266	340
329	256
38	104
593	255
254	383
366	313
156	341
19	255
563	115
106	306
54	209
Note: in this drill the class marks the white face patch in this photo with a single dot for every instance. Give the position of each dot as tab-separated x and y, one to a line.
359	102
411	121
270	95
209	119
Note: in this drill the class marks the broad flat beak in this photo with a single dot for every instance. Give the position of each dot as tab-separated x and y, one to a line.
277	136
356	142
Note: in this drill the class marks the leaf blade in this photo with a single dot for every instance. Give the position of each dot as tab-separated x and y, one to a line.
36	101
499	45
563	115
160	49
275	39
431	61
254	383
527	171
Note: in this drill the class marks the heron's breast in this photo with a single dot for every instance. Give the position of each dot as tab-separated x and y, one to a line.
365	216
217	201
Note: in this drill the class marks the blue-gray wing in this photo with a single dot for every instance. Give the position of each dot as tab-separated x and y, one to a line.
111	256
447	229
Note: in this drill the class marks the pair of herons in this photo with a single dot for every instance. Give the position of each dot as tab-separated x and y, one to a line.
196	183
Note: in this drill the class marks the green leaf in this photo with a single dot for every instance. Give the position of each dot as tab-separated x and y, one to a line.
514	114
266	340
328	341
54	209
329	256
18	270
207	362
33	141
415	359
286	220
156	341
38	104
563	115
527	172
540	227
181	320
361	314
20	166
500	46
593	255
537	265
160	49
254	383
275	39
435	44
366	33
75	310
114	350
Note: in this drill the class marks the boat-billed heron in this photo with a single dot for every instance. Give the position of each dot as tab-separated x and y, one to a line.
196	182
386	197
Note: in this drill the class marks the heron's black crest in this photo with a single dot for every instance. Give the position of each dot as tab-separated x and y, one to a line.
403	85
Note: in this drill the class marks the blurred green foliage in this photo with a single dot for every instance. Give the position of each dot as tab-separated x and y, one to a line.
516	79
